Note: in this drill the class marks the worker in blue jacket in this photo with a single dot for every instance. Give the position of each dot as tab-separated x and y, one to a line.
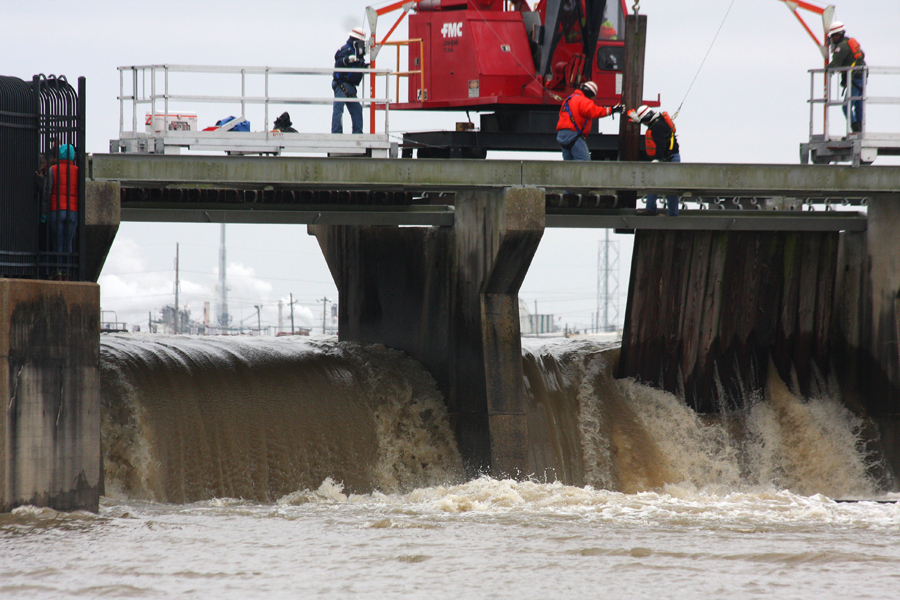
351	55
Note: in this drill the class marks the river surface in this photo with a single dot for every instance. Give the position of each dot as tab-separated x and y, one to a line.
483	539
317	469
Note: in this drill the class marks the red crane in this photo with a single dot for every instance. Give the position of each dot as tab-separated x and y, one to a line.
515	63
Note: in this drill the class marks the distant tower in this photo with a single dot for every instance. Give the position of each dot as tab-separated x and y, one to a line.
607	284
224	317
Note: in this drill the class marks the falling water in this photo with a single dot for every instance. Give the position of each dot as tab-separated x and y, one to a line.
193	418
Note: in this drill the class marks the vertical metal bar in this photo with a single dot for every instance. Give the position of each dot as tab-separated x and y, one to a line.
827	102
387	104
81	112
371	95
166	103
121	103
134	84
266	107
243	93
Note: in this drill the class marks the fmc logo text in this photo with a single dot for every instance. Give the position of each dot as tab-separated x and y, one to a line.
452	30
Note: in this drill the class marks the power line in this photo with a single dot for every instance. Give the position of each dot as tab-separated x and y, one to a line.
704	60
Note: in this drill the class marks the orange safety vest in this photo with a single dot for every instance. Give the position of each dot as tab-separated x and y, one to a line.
855	49
650	145
65	186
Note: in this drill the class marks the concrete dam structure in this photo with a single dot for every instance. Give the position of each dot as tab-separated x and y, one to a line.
713	298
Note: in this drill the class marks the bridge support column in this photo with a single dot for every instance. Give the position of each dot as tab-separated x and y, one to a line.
50	386
102	214
448	297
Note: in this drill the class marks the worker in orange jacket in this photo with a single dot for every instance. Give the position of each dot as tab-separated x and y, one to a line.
575	116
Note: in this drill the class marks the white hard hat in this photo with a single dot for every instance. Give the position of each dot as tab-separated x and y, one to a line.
836	27
358	33
590	86
643	112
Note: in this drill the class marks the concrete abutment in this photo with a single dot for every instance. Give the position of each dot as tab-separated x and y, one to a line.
50	385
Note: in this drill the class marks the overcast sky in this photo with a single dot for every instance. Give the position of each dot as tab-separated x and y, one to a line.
748	105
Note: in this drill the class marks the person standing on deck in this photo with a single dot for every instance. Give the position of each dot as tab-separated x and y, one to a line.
661	145
846	52
351	55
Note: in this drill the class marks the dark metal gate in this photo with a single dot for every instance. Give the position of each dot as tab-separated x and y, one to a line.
41	125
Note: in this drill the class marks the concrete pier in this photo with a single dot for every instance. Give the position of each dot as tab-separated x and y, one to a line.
102	215
449	298
867	323
50	385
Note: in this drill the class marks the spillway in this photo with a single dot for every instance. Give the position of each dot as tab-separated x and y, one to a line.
190	418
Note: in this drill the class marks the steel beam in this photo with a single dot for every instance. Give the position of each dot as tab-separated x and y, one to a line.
718	220
439	216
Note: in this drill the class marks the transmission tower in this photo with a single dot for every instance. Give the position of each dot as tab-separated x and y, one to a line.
607	284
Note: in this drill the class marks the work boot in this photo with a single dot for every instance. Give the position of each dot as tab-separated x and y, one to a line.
856	126
643	212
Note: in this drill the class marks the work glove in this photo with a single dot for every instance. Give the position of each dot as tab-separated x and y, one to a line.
618	109
352	59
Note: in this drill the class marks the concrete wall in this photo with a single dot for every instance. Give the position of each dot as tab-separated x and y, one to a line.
867	323
50	386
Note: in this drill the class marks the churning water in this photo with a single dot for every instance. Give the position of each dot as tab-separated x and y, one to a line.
270	468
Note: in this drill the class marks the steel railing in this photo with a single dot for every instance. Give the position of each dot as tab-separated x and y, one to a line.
824	96
150	86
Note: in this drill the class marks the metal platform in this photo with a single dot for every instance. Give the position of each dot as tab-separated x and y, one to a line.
153	88
860	148
263	143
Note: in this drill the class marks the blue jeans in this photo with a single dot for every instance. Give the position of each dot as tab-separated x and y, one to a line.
62	230
354	108
573	145
856	106
671	201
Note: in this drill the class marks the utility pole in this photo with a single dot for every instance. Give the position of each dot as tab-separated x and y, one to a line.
280	319
324	302
292	314
224	317
177	324
258	322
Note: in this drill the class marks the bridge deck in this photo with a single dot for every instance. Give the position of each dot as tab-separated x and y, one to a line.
302	175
